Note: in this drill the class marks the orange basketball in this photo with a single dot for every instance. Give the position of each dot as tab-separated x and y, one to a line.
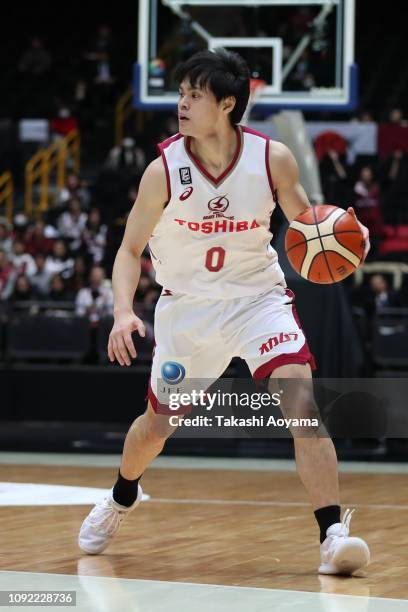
324	244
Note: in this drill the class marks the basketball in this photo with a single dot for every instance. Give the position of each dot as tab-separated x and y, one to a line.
324	244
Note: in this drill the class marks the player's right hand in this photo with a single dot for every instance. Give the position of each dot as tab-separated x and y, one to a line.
120	345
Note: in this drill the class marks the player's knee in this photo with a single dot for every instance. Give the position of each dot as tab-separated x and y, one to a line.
296	371
297	401
156	427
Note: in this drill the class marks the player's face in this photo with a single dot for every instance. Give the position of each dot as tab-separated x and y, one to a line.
199	113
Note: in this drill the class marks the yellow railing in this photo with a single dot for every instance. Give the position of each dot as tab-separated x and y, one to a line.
6	193
40	167
35	171
72	142
123	111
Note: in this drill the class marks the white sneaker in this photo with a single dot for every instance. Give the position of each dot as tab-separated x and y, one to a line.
340	554
103	522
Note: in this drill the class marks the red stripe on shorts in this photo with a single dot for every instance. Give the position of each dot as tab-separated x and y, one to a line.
163	408
302	357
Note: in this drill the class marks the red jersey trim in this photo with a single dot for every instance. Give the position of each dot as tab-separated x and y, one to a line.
163	408
267	164
302	357
227	171
160	149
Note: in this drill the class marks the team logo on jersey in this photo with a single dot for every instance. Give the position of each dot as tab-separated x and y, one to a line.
218	204
172	372
186	194
185	176
216	221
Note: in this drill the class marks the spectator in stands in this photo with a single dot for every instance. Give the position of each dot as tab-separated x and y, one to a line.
103	71
78	279
101	44
71	224
96	300
82	107
367	203
396	188
23	262
94	236
58	291
75	188
41	279
395	164
379	295
23	291
396	116
128	160
334	178
35	240
6	238
36	60
364	116
64	122
100	56
299	22
7	276
302	77
20	225
123	205
59	262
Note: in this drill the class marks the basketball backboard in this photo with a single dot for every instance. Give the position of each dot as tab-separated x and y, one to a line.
303	49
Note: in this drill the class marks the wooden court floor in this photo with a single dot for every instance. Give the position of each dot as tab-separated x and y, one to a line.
223	527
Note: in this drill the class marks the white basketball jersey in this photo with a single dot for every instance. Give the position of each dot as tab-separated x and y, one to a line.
213	238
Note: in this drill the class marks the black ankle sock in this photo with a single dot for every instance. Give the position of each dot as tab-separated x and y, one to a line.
325	517
125	491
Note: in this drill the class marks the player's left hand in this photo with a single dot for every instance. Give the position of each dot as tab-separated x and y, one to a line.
366	235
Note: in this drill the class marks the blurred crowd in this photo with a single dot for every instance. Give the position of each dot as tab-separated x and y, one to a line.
376	186
82	92
67	256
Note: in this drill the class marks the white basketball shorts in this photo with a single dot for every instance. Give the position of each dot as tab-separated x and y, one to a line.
196	338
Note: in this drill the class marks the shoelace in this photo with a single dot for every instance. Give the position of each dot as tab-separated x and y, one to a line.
345	523
107	518
343	531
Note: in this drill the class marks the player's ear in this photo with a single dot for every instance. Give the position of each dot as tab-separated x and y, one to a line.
228	104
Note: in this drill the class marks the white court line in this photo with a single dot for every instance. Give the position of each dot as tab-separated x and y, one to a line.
278	504
111	593
35	494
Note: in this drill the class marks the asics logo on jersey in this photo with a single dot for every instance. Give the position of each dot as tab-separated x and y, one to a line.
218	204
186	194
275	340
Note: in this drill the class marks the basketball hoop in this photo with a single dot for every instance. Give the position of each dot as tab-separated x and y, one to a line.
256	87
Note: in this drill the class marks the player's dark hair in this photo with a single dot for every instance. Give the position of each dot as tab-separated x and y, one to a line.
223	72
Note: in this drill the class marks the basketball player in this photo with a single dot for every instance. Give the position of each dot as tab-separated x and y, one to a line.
204	206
